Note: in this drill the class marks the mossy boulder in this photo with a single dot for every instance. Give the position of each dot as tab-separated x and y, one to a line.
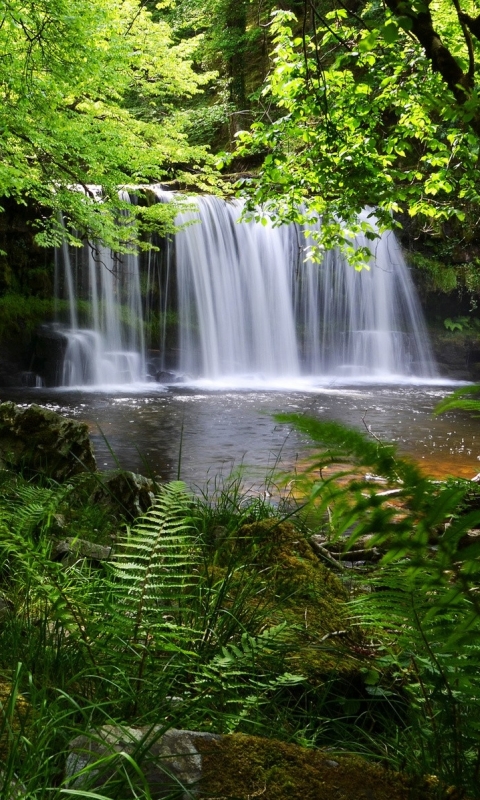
296	588
185	764
240	767
126	492
35	439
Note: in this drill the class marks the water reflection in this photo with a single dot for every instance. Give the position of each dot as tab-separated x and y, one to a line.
220	430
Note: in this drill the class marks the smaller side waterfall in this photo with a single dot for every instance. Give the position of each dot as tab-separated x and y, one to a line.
105	339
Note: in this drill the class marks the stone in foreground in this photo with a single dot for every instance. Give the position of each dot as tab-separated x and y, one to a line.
171	763
181	765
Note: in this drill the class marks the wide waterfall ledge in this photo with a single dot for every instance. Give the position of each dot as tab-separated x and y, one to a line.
228	304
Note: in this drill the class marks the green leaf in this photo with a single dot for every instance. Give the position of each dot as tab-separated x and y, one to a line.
390	32
369	41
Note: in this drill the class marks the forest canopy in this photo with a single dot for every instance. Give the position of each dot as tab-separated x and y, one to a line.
354	103
370	105
89	96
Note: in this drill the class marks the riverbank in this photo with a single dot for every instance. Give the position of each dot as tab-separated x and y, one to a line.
216	614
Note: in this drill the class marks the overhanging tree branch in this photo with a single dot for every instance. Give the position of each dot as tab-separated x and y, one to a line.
468	41
459	82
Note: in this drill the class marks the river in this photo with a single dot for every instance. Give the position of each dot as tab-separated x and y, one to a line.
213	432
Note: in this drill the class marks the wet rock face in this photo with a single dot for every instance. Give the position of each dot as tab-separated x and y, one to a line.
37	439
50	344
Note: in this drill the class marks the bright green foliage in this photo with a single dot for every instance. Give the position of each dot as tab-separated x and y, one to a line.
233	43
418	644
465	399
155	564
182	628
79	82
216	615
421	607
363	120
462	323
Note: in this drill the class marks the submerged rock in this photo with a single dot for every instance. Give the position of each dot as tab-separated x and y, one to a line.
169	761
39	440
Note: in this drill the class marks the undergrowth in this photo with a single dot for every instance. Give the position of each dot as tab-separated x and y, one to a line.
213	613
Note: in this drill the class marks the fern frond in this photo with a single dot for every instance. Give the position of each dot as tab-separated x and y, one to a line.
154	566
465	399
30	507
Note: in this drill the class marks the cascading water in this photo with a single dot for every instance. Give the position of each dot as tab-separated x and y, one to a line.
249	308
110	348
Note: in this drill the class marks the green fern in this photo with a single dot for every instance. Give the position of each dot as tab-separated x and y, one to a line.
420	655
465	398
26	507
422	610
155	564
242	677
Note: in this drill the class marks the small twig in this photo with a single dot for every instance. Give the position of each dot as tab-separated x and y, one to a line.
333	633
369	429
327	555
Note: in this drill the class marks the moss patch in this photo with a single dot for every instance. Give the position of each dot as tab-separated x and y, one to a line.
240	767
297	588
41	441
14	715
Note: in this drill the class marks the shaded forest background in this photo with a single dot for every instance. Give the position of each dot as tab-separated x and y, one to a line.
307	109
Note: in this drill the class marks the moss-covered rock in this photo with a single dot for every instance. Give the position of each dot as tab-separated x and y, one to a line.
240	767
39	440
185	764
126	492
294	587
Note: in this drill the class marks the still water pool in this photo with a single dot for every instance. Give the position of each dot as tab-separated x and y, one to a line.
216	431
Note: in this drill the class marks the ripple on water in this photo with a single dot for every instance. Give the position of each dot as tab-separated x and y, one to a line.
222	429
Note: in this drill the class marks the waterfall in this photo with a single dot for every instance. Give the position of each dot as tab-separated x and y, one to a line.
103	287
250	308
249	304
